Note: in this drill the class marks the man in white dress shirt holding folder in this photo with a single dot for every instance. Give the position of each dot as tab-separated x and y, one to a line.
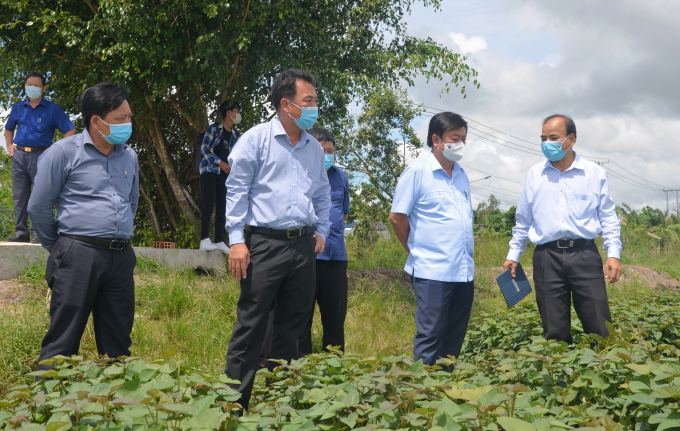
564	207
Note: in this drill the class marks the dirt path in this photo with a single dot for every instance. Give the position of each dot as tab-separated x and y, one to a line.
630	273
11	291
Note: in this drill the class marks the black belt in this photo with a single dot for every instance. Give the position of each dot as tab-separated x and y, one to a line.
570	243
297	232
113	244
32	149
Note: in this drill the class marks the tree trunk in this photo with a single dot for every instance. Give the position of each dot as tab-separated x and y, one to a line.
149	203
166	165
160	188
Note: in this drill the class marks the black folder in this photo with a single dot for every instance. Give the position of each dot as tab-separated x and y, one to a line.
514	289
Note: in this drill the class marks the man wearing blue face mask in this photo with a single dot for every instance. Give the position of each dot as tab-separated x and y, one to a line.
92	179
564	207
278	201
331	265
34	121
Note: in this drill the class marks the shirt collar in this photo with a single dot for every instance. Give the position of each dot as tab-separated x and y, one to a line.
87	139
279	131
576	164
27	102
434	164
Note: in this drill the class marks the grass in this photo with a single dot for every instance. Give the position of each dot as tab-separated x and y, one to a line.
195	314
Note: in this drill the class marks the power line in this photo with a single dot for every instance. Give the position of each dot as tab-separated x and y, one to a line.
500	200
629	181
498	195
613	162
495	176
500	191
607	160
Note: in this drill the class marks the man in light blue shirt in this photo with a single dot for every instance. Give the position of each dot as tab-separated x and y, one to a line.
432	218
278	191
564	207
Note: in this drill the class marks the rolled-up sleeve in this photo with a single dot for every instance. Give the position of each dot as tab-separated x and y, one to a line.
208	145
243	161
50	179
322	202
523	219
611	225
405	193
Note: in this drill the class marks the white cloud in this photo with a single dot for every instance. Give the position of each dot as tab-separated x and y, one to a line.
468	46
620	86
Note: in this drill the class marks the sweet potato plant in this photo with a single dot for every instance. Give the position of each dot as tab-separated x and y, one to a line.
508	378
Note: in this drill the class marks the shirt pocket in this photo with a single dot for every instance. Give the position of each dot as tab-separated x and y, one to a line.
583	206
42	123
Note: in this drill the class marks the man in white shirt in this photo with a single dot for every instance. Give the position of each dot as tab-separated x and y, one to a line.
564	206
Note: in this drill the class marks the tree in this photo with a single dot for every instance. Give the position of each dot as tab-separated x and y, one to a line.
371	148
180	59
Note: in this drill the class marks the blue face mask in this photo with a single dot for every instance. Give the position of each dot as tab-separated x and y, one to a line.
120	133
33	92
328	160
552	150
308	117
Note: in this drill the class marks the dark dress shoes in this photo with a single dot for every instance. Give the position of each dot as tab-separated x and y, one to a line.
18	238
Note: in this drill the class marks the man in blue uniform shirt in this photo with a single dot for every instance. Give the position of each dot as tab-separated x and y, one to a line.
34	120
432	218
565	205
331	265
92	179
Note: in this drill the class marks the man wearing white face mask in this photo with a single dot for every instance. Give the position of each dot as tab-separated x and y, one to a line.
564	207
218	142
34	121
432	218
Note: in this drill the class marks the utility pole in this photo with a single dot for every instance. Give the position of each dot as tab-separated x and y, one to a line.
677	202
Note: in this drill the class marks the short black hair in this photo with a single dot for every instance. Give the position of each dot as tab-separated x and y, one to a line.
321	134
228	106
285	84
568	121
442	122
35	75
101	99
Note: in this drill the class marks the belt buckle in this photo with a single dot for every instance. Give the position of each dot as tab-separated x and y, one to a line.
115	243
571	243
298	230
28	149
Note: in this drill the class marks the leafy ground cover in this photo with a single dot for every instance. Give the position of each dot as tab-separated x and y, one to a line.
508	378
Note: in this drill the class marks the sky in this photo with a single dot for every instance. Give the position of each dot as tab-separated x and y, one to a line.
612	66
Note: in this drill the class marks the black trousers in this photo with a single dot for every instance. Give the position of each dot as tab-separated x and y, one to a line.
281	274
89	279
213	195
331	295
563	274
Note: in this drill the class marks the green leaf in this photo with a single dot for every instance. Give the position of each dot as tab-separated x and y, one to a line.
643	369
666	392
672	421
514	424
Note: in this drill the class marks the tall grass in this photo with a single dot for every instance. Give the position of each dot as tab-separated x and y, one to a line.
195	314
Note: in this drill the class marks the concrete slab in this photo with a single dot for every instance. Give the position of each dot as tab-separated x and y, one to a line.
14	257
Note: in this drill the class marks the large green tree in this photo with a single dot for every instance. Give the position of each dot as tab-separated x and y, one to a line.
181	58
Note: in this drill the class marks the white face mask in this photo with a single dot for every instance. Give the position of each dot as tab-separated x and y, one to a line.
453	151
237	119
